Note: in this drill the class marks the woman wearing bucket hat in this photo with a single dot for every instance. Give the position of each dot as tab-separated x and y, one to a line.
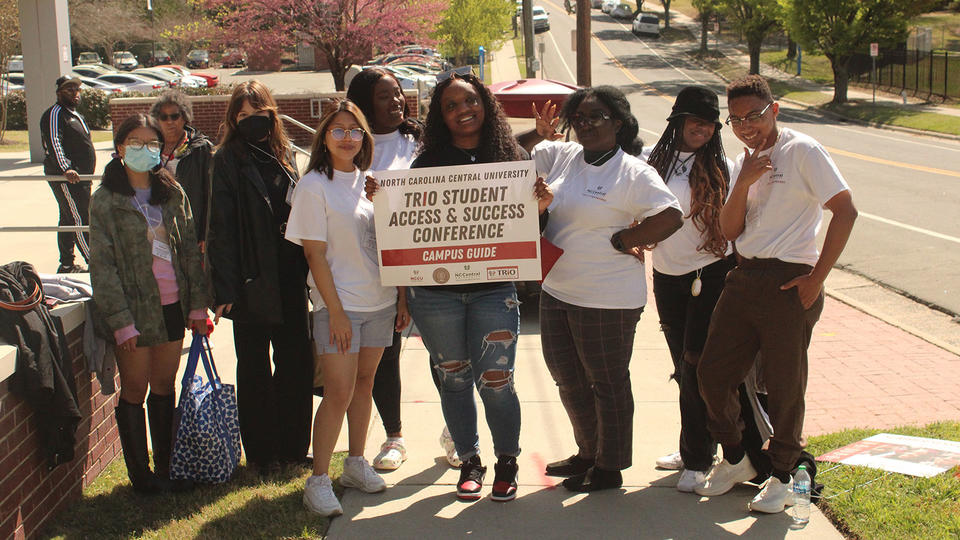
689	267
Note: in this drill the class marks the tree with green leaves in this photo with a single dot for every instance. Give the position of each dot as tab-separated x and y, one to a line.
755	19
468	24
840	28
705	10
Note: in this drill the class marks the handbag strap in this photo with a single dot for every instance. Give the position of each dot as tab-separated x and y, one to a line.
200	351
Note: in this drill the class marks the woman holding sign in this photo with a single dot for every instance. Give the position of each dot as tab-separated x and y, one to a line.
354	316
593	297
471	330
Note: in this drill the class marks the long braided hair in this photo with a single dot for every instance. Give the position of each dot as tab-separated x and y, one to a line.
709	181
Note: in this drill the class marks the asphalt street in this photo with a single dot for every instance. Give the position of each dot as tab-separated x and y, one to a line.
904	185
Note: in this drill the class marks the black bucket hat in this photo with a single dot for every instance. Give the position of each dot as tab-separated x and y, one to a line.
698	101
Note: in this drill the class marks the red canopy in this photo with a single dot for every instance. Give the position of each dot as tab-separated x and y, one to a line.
515	96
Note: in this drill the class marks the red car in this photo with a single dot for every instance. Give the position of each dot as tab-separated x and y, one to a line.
212	80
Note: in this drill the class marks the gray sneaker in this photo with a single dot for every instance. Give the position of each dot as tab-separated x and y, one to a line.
318	497
357	473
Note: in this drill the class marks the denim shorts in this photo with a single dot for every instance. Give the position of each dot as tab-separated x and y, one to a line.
370	329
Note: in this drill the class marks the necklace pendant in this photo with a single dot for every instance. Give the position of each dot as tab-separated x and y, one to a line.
696	287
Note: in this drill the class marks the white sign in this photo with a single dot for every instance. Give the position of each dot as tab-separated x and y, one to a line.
916	456
874	49
457	225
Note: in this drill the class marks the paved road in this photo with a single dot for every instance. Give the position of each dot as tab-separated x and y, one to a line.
905	186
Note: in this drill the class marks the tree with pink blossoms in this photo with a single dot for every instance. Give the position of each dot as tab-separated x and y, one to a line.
346	32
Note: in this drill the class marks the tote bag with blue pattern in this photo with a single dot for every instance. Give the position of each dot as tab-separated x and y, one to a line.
207	448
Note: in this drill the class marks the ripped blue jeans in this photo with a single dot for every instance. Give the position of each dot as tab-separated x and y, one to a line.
472	341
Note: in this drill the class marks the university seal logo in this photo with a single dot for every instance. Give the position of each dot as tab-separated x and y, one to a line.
441	275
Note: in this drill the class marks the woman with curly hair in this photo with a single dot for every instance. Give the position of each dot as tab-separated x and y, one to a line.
606	203
471	330
689	267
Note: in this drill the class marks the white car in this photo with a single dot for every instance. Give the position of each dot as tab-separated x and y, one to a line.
125	60
608	5
622	11
541	19
93	70
401	72
186	79
133	83
648	24
97	84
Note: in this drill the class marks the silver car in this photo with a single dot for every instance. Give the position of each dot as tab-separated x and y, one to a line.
133	83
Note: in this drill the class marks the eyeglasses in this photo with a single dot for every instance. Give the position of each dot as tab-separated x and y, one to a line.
164	117
137	144
751	118
356	134
593	119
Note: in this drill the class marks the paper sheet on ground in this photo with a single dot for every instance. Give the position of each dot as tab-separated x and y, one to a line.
457	225
916	456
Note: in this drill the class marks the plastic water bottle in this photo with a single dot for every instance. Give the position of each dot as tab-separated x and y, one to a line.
801	496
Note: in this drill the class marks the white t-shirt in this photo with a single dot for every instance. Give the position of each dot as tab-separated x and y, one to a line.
337	213
591	203
785	206
678	254
393	151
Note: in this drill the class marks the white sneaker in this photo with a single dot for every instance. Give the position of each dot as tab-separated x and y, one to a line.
670	462
446	441
689	480
723	476
774	496
357	473
319	498
392	454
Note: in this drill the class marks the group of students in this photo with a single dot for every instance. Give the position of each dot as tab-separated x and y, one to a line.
737	279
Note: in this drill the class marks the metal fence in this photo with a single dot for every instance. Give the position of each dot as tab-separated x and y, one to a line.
931	73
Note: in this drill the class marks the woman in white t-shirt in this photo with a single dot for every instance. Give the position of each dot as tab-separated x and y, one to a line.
594	294
395	136
354	316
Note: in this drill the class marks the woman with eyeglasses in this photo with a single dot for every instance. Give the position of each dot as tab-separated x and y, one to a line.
187	154
377	93
148	286
259	279
607	202
354	316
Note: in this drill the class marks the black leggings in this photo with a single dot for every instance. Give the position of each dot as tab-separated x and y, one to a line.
386	387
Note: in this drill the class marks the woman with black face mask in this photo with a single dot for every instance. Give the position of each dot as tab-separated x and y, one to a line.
259	279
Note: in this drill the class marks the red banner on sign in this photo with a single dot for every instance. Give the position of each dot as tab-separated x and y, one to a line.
453	254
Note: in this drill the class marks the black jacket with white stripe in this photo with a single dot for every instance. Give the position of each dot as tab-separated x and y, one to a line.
66	142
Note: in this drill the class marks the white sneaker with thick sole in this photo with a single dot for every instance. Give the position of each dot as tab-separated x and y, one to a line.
723	476
392	454
670	462
357	473
774	497
690	480
318	497
446	441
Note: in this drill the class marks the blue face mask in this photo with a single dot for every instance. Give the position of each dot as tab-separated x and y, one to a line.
141	159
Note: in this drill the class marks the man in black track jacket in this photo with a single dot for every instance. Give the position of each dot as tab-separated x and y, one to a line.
69	153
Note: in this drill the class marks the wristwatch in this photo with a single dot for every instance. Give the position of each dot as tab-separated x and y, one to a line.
616	241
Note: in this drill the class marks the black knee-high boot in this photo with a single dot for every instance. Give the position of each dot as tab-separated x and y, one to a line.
160	410
132	426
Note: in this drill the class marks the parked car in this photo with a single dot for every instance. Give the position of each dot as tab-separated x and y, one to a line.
622	11
97	84
7	86
157	57
88	57
94	70
646	24
419	49
15	64
428	81
608	5
233	58
198	58
426	61
131	82
125	60
186	80
418	68
541	19
170	79
211	80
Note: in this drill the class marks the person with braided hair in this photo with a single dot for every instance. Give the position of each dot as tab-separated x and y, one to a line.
607	202
689	267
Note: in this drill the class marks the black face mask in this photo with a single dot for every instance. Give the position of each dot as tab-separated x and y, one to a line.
255	128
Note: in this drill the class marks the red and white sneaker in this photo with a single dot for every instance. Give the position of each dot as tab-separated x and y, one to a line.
505	479
471	479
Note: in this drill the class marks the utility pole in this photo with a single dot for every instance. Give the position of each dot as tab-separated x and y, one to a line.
528	52
583	43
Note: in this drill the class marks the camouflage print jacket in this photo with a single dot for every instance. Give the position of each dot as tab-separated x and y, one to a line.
121	263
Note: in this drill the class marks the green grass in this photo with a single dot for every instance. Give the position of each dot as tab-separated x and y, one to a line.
892	505
813	67
897	115
944	26
518	51
244	507
16	140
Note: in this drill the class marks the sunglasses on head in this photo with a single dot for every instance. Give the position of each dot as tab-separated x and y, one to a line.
173	116
356	134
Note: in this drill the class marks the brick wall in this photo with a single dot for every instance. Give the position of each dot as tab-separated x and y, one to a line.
29	493
208	111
